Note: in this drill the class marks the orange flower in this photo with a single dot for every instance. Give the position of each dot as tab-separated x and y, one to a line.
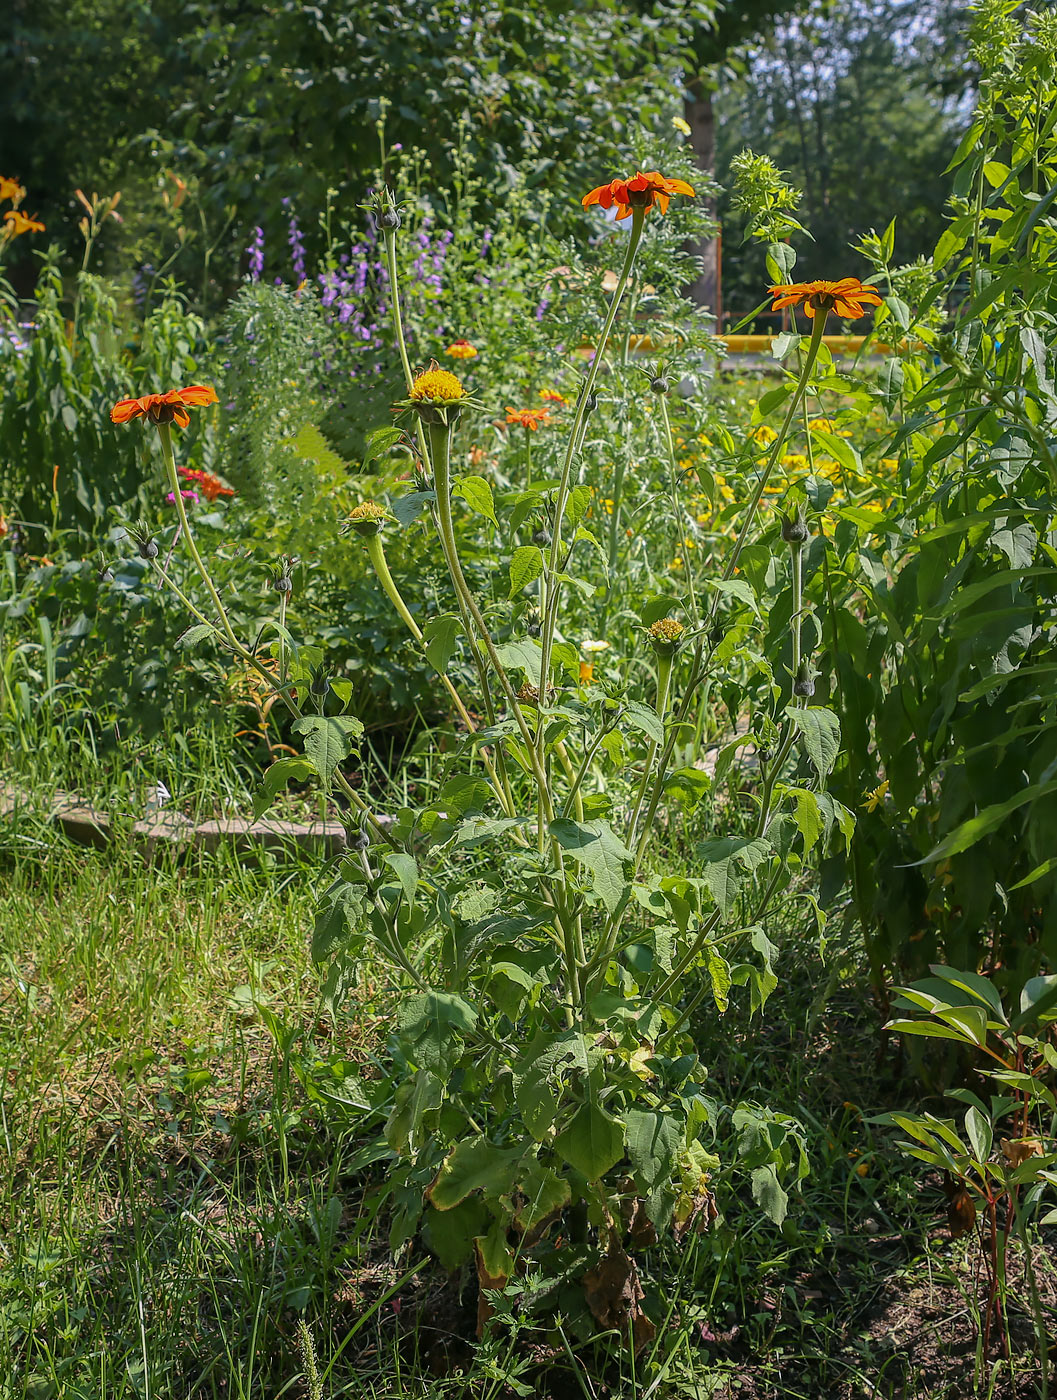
4	527
552	396
847	297
461	350
642	191
17	223
529	418
210	486
164	408
10	189
587	672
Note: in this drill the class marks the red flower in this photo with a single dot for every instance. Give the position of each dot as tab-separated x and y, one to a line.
164	408
210	486
847	298
642	191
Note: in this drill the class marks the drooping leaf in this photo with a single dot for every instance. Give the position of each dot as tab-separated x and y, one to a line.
820	729
431	1025
275	779
475	1164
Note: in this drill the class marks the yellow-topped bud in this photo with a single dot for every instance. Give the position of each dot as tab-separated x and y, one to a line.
366	518
666	635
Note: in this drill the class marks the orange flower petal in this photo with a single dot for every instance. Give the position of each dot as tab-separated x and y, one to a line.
126	409
197	395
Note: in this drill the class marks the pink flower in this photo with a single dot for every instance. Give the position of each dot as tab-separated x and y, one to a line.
187	495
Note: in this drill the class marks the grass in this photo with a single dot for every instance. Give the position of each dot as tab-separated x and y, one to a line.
177	1199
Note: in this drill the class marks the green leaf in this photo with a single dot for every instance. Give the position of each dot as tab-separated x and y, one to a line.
525	567
524	655
807	816
441	637
842	450
592	1142
285	770
474	1165
337	920
378	444
450	1233
726	860
768	1193
737	588
990	819
820	729
328	740
198	633
406	869
577	504
544	1193
978	1131
928	1029
655	1140
477	494
596	846
642	717
414	1098
430	1026
719	975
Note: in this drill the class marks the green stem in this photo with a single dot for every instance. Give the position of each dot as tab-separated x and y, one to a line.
638	217
440	444
777	447
796	559
682	524
394	296
664	684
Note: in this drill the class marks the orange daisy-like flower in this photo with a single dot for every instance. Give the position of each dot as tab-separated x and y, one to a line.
10	189
461	350
164	408
642	191
529	418
552	396
210	486
17	223
847	298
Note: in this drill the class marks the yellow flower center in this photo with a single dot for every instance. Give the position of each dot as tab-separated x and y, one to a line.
437	386
668	629
368	510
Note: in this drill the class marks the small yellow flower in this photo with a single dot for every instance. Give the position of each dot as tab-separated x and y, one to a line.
460	350
681	124
876	798
587	672
593	648
608	505
820	425
763	435
794	461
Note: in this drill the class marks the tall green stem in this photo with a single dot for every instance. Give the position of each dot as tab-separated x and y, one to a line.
638	217
440	446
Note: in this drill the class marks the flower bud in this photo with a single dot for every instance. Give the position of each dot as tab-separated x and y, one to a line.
357	840
366	519
804	685
320	682
660	385
795	531
148	548
666	636
283	583
765	755
105	574
533	622
389	219
542	537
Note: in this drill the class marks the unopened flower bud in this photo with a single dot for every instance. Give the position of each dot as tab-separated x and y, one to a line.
389	219
795	531
358	840
105	574
765	755
542	537
533	623
320	682
283	583
660	385
148	548
804	685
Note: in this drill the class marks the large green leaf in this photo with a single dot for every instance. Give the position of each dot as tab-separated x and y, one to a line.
595	845
592	1142
726	863
990	819
276	777
431	1024
475	1164
820	729
328	739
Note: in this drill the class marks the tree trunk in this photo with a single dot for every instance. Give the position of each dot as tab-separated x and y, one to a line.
706	288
